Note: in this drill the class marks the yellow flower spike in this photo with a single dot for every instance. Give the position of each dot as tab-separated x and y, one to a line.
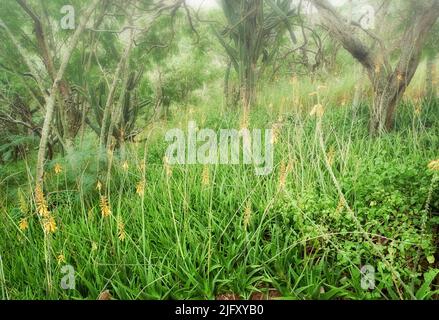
49	225
205	179
247	214
434	165
58	169
317	111
23	224
140	188
41	202
276	127
168	168
330	155
284	170
121	230
99	186
61	258
125	166
105	207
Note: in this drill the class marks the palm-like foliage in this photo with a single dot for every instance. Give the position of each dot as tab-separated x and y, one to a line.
252	34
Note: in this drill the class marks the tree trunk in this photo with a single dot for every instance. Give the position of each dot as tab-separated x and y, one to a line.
389	83
50	102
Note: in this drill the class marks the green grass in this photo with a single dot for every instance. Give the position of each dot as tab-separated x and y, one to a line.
186	240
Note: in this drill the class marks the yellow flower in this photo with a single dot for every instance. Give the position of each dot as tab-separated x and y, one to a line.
105	207
285	169
99	186
247	214
317	110
168	168
23	225
434	165
58	169
340	206
330	155
140	188
41	202
276	130
205	179
121	230
49	225
61	258
125	166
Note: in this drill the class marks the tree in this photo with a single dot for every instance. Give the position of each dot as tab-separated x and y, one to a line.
389	69
251	37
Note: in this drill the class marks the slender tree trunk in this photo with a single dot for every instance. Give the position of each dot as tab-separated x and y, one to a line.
389	83
50	102
121	66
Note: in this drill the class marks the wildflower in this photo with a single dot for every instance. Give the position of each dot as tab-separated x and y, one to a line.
330	155
125	166
61	258
340	205
247	214
121	230
434	165
49	225
205	180
377	68
167	167
58	169
105	208
41	202
23	224
317	110
99	186
140	188
285	169
276	129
